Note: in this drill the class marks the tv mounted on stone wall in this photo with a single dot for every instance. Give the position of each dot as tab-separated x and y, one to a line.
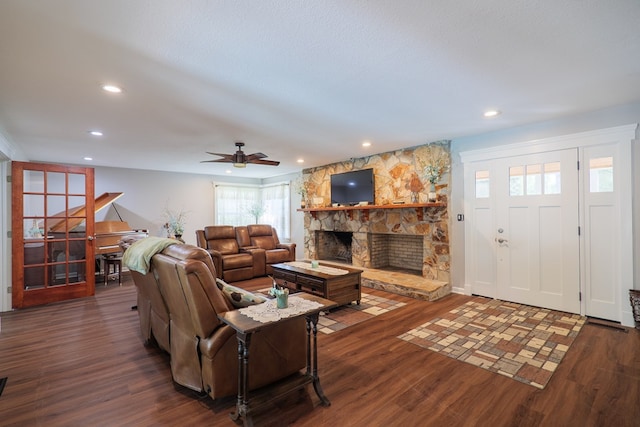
352	188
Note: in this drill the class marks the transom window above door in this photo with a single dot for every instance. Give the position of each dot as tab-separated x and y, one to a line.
535	179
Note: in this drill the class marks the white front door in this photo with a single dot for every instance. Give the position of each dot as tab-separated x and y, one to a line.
540	231
536	231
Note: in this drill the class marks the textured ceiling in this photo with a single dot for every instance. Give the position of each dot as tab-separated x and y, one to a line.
293	79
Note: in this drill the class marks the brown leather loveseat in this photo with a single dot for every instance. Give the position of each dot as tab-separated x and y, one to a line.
231	261
244	252
265	237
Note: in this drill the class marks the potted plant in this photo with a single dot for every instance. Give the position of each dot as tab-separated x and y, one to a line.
300	187
175	222
437	165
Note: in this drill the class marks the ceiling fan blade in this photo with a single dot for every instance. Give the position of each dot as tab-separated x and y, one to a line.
256	156
217	161
226	156
265	162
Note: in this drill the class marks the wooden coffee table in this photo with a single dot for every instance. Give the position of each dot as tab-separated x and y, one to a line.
341	288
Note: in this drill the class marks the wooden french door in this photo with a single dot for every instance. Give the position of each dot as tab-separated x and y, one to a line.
52	232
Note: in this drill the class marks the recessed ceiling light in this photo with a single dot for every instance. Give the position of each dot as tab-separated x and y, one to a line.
95	133
228	171
88	159
491	113
366	144
300	160
112	88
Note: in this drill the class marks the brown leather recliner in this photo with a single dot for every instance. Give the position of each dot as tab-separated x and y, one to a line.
204	351
265	237
232	263
152	311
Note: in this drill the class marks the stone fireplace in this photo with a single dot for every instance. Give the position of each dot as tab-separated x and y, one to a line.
401	230
386	251
396	238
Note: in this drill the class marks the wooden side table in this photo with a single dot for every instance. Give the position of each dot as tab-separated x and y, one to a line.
245	327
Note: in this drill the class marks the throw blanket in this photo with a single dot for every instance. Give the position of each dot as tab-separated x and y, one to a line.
138	256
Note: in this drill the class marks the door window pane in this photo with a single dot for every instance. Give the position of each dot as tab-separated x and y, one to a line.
56	182
33	205
33	181
601	175
76	183
534	180
482	184
516	181
552	178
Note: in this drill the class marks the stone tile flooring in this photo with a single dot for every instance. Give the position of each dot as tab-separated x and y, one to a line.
349	315
522	342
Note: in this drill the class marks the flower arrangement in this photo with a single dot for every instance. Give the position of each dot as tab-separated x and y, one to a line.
436	165
300	187
175	221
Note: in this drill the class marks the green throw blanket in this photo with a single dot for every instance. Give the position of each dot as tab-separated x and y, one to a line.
138	256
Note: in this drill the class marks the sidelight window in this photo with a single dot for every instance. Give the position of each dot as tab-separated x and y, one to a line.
601	175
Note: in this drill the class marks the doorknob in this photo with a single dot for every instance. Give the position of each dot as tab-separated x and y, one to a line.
501	240
89	238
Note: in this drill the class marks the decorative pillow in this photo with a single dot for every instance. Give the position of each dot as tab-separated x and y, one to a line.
239	297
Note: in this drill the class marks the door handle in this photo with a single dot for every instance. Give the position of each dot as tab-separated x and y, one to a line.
89	238
501	240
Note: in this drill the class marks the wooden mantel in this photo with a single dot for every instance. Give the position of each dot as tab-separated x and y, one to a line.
350	209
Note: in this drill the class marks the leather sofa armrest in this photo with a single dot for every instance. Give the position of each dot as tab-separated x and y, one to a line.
259	260
212	344
216	256
291	247
200	239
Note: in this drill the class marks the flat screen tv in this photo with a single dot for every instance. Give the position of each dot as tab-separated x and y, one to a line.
351	188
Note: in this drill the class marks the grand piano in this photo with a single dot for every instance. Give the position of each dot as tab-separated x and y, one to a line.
107	234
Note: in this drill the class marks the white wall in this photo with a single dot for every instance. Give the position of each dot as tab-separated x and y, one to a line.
615	116
8	151
148	193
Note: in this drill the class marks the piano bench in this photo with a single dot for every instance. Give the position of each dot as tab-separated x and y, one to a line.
116	263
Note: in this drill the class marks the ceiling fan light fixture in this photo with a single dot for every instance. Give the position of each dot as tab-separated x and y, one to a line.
239	165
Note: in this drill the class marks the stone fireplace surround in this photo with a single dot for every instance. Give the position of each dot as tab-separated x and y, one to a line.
421	225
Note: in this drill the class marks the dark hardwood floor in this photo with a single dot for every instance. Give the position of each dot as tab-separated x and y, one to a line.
83	363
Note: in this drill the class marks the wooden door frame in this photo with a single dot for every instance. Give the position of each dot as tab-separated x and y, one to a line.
55	293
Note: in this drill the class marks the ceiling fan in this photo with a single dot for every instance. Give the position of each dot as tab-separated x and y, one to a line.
240	160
